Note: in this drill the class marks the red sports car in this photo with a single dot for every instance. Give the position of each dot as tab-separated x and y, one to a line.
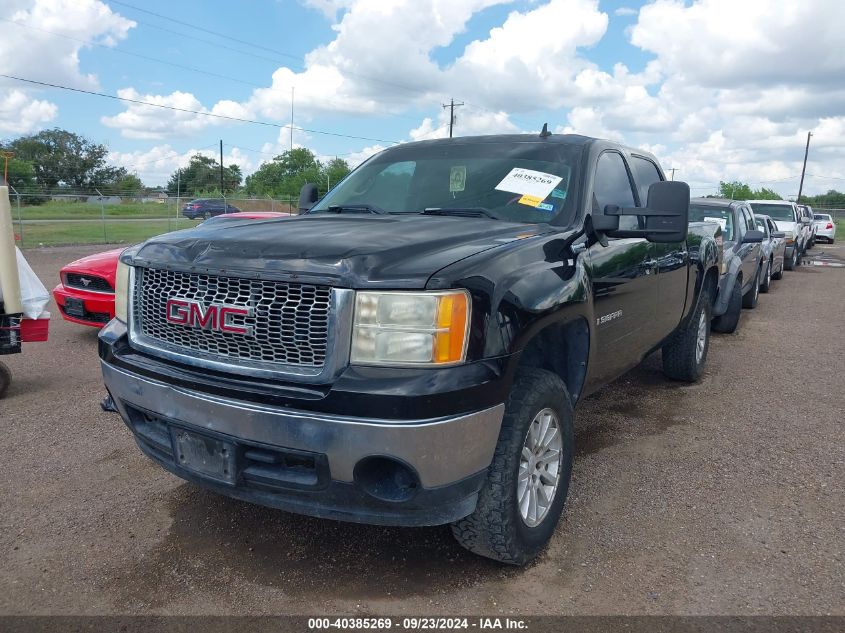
86	294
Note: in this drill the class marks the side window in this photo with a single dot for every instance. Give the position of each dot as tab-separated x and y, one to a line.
761	226
645	173
613	186
749	219
740	224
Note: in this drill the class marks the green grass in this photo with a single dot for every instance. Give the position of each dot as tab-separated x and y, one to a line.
840	228
64	233
79	210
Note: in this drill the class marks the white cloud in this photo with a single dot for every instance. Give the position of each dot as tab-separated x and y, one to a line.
21	114
155	165
625	11
37	53
150	122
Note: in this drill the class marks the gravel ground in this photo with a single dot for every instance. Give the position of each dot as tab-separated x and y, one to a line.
723	497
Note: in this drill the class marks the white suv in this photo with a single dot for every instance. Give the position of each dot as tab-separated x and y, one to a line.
787	217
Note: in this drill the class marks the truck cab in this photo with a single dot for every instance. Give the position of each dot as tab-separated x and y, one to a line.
410	350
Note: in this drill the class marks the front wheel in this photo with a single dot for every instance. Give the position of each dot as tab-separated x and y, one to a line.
685	354
527	482
727	323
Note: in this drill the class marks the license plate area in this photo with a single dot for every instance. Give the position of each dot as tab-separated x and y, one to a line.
74	307
204	455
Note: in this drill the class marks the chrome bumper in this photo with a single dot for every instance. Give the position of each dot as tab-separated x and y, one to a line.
441	451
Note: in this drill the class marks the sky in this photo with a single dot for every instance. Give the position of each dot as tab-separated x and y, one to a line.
717	89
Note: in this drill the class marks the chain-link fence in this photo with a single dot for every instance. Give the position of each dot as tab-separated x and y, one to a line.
67	218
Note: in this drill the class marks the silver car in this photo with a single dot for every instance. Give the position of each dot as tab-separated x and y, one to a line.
825	227
773	247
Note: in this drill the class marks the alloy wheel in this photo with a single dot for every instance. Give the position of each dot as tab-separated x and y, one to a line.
539	467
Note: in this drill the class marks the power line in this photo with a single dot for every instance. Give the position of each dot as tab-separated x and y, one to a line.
194	69
451	105
197	112
298	58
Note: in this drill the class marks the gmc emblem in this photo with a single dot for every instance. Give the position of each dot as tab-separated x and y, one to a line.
216	317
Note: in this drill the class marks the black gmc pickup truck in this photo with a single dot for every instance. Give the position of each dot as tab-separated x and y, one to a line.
410	350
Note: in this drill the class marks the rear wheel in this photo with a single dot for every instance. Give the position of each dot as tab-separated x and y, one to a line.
767	278
685	354
791	262
726	323
527	483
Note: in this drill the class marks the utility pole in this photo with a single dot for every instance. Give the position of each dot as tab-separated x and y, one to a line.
222	195
804	168
673	169
451	105
291	118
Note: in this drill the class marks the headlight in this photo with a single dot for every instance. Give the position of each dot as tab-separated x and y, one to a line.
121	292
410	328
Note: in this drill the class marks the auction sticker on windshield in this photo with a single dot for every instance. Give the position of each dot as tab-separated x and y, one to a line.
529	182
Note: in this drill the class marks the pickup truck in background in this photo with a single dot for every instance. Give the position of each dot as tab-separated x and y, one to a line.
788	220
410	350
742	267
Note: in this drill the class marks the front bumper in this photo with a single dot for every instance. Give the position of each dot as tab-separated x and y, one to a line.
99	306
448	456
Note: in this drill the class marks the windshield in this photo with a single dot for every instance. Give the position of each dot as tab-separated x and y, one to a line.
526	182
782	212
709	213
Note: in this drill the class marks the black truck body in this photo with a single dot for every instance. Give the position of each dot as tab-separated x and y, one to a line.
562	297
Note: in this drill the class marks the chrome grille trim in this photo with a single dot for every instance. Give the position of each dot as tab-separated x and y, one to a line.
325	356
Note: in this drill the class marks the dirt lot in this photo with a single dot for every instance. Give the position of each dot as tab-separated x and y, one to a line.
724	497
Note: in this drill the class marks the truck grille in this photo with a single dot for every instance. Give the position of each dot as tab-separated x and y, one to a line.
289	322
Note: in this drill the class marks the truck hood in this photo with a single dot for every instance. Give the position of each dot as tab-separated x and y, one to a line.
787	226
353	251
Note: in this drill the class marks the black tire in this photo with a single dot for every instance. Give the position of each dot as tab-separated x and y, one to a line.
5	380
791	262
767	277
779	274
749	300
685	354
726	323
496	528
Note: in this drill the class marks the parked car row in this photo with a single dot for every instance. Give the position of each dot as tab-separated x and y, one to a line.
760	239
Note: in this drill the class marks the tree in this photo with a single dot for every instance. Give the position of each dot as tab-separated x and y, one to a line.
21	174
766	194
286	173
64	159
737	190
202	175
335	171
129	184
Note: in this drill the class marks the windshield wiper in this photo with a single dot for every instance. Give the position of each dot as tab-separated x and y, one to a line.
466	212
356	208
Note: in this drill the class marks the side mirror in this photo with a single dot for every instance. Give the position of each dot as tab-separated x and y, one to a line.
780	234
805	220
753	237
307	196
666	215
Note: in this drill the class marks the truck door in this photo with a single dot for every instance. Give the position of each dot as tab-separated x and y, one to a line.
671	261
623	277
750	253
